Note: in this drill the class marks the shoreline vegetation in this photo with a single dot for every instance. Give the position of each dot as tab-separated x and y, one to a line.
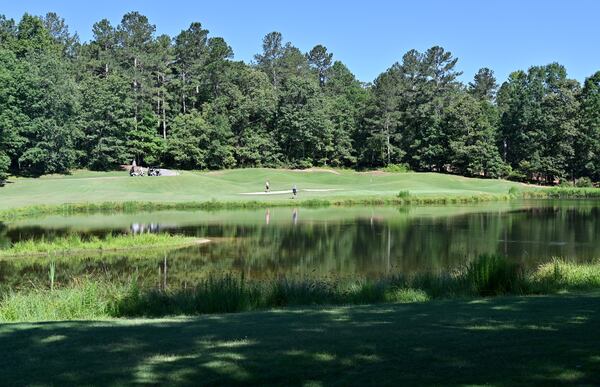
75	243
486	276
403	198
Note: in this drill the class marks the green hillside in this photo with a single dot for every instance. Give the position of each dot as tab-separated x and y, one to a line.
236	185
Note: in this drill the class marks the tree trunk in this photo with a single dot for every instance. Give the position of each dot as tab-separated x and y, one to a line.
164	120
183	92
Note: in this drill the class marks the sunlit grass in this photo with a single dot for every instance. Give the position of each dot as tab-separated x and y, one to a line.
401	199
77	243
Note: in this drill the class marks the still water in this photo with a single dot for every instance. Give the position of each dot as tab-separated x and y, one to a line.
350	242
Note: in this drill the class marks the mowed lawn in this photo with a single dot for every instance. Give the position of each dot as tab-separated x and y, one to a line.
546	340
234	185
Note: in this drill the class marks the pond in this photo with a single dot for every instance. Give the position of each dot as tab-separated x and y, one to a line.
301	242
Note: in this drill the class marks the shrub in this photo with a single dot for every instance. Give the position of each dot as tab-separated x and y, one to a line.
404	194
397	168
514	191
584	182
565	183
514	175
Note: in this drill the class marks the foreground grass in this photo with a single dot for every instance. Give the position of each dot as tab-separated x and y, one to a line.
75	243
486	276
541	340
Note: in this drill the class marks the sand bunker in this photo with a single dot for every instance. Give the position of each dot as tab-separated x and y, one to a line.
289	191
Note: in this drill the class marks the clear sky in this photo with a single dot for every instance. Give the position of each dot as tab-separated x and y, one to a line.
370	35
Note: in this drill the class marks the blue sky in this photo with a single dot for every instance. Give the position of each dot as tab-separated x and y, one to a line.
369	36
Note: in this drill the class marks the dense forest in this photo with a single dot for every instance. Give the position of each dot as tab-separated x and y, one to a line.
183	102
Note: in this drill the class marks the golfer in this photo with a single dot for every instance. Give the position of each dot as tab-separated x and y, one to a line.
267	186
294	190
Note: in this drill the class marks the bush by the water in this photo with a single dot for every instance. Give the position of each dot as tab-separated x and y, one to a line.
228	293
404	194
493	275
584	182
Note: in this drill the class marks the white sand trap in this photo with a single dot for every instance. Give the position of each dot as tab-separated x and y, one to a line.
289	191
268	193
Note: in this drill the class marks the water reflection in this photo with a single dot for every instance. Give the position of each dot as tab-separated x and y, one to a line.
366	242
141	228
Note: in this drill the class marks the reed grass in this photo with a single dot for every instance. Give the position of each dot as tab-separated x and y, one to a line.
229	293
86	300
562	193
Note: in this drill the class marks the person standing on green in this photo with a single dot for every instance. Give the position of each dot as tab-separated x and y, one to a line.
294	190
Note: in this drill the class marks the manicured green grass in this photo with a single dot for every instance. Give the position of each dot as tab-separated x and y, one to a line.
542	340
228	186
75	243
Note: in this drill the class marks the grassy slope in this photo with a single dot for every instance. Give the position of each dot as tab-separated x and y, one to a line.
85	186
502	341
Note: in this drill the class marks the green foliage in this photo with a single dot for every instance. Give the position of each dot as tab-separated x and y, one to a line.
493	275
514	192
184	102
583	182
539	122
86	300
397	168
75	242
403	194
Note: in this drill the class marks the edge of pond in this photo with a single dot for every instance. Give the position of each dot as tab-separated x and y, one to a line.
214	205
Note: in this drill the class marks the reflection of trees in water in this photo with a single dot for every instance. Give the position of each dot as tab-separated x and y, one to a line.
4	241
357	247
570	232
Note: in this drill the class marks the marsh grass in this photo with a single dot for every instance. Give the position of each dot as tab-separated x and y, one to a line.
229	293
85	300
404	194
562	193
76	243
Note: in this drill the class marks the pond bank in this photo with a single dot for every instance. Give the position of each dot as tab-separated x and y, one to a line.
403	198
226	293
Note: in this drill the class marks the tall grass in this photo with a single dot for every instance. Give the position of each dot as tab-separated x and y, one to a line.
76	242
228	293
562	193
492	275
87	300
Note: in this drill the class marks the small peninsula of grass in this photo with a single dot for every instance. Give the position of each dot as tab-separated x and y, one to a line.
75	244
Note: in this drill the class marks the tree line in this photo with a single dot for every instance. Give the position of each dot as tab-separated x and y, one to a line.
183	102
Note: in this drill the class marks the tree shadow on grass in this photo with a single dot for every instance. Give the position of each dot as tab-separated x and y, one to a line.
528	340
